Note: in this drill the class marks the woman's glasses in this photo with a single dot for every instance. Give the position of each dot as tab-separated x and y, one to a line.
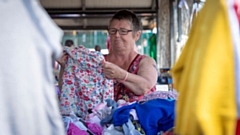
120	31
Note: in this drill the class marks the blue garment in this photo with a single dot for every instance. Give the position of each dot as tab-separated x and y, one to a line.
121	115
111	103
154	115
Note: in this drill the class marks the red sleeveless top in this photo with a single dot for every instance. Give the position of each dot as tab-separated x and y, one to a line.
121	91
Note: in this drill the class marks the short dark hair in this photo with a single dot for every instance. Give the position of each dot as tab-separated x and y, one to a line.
69	43
129	16
97	48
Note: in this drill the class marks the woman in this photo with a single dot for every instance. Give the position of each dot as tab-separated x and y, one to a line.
134	74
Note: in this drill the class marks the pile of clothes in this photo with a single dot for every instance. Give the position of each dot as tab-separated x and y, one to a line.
152	115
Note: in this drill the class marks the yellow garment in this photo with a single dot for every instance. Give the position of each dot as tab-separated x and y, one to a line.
204	76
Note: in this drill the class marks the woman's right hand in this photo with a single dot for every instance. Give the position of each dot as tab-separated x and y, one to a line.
63	59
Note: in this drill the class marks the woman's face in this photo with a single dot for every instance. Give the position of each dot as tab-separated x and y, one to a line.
122	42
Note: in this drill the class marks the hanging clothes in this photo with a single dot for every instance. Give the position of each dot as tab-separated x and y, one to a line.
152	41
29	39
196	7
235	32
84	85
234	16
204	76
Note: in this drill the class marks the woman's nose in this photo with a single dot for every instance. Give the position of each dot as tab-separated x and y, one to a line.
117	34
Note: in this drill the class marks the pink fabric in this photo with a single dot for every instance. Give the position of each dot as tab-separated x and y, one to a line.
74	130
84	85
108	43
95	128
99	106
99	111
237	9
94	119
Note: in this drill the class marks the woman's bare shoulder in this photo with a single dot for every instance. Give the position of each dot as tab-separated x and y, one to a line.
146	59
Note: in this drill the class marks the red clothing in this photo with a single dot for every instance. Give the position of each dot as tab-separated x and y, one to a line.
121	91
238	127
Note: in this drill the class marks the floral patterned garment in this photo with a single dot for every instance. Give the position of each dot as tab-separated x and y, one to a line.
84	85
160	95
122	92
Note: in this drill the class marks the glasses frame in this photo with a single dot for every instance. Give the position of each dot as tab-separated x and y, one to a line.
119	31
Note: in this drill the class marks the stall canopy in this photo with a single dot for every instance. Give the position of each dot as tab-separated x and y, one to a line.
95	14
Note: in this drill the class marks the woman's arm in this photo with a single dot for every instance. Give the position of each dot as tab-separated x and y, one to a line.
60	80
62	62
139	83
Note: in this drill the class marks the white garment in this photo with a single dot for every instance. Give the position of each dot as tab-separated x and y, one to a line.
28	39
235	30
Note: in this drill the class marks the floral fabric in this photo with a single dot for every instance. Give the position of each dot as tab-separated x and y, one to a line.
160	95
84	85
122	92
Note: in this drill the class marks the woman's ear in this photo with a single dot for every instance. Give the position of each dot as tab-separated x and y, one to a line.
137	35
